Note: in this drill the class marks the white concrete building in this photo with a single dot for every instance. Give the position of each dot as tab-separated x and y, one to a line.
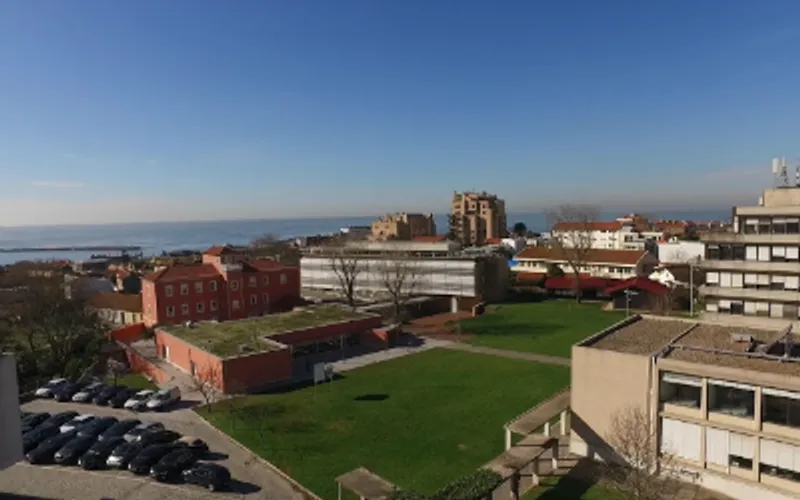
604	235
10	425
681	252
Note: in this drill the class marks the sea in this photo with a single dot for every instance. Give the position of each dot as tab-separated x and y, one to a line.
157	237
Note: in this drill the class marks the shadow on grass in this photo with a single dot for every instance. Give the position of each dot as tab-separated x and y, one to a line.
300	384
575	484
371	397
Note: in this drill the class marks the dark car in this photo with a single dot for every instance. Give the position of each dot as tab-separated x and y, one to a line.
47	448
119	399
33	420
143	428
72	451
104	396
158	437
148	457
211	476
119	429
60	419
96	456
97	426
123	454
35	437
173	463
65	392
198	445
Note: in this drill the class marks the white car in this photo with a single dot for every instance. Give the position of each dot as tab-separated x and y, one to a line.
164	398
77	422
87	392
47	390
138	400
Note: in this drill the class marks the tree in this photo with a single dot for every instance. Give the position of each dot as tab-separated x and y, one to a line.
206	381
115	369
554	271
346	268
574	241
636	472
520	230
399	277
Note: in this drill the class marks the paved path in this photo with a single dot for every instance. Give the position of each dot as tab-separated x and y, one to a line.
540	358
421	344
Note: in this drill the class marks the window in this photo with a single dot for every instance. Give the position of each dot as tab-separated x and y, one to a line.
681	390
253	299
184	288
780	407
212	285
730	398
169	291
738	252
234	284
778	225
764	225
266	298
201	307
792	225
235	304
680	439
750	226
780	460
170	311
283	279
198	287
213	305
712	278
184	309
251	282
266	280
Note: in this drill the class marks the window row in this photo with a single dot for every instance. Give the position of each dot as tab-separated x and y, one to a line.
252	282
769	225
753	280
753	308
763	253
200	307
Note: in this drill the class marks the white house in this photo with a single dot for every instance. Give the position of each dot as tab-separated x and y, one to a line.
681	252
599	263
616	235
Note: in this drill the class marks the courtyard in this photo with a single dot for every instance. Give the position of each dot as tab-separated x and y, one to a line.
420	421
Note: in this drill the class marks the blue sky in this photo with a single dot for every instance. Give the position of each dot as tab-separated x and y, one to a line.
150	110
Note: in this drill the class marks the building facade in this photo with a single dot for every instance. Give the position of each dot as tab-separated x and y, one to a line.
616	235
403	226
117	308
10	425
226	285
724	401
478	217
606	264
754	270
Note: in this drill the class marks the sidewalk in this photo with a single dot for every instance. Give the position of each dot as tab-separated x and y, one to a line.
539	358
388	354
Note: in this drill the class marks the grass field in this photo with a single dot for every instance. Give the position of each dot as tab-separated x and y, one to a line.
549	327
135	381
420	421
568	488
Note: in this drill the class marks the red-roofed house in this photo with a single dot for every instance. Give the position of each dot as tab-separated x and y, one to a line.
226	285
625	233
606	264
642	294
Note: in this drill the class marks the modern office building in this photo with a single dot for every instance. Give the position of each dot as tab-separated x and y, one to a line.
10	426
725	401
478	217
753	271
403	226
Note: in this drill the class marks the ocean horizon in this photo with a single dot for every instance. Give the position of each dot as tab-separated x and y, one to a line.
157	237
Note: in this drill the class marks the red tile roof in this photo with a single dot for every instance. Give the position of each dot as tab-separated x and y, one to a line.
639	283
218	250
116	301
568	283
184	272
263	265
587	226
671	223
622	257
523	276
437	238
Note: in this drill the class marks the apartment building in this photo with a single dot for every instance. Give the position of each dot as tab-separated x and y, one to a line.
754	270
478	217
10	425
621	234
403	226
226	285
724	401
607	264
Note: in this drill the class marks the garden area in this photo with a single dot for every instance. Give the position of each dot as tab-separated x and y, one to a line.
420	421
548	327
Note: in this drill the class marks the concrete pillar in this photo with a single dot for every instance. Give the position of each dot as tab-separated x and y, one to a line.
555	455
564	423
340	490
508	439
547	429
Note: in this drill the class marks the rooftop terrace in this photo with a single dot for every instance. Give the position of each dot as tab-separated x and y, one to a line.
642	336
224	338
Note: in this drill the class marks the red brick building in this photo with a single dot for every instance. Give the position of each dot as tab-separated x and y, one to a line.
225	285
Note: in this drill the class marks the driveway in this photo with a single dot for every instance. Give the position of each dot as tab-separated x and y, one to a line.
251	478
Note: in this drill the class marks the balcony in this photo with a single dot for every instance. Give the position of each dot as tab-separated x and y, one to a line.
761	294
753	239
751	265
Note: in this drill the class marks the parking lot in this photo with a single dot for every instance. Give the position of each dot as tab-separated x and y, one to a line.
250	478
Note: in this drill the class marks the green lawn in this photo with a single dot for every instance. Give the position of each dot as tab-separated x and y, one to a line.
135	381
420	421
549	327
568	488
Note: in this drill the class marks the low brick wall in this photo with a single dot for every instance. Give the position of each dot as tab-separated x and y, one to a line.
142	365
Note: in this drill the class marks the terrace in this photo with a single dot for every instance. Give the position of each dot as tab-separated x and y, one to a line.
225	338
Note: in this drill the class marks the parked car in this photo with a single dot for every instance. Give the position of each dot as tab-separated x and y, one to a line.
65	392
122	396
198	445
72	451
97	427
212	476
163	399
158	437
48	389
60	419
35	437
119	429
33	420
77	422
105	395
139	400
173	464
86	394
96	456
123	454
148	457
24	414
47	448
142	428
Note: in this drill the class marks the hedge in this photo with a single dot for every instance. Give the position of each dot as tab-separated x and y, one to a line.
474	486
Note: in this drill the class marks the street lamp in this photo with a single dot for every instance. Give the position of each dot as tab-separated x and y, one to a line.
628	294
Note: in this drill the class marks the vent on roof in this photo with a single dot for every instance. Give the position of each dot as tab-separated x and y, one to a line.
742	338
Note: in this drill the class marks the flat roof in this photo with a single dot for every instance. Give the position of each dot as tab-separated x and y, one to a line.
756	364
224	338
642	336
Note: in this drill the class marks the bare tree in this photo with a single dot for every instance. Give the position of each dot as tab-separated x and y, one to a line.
346	268
399	276
573	238
636	471
115	369
206	381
